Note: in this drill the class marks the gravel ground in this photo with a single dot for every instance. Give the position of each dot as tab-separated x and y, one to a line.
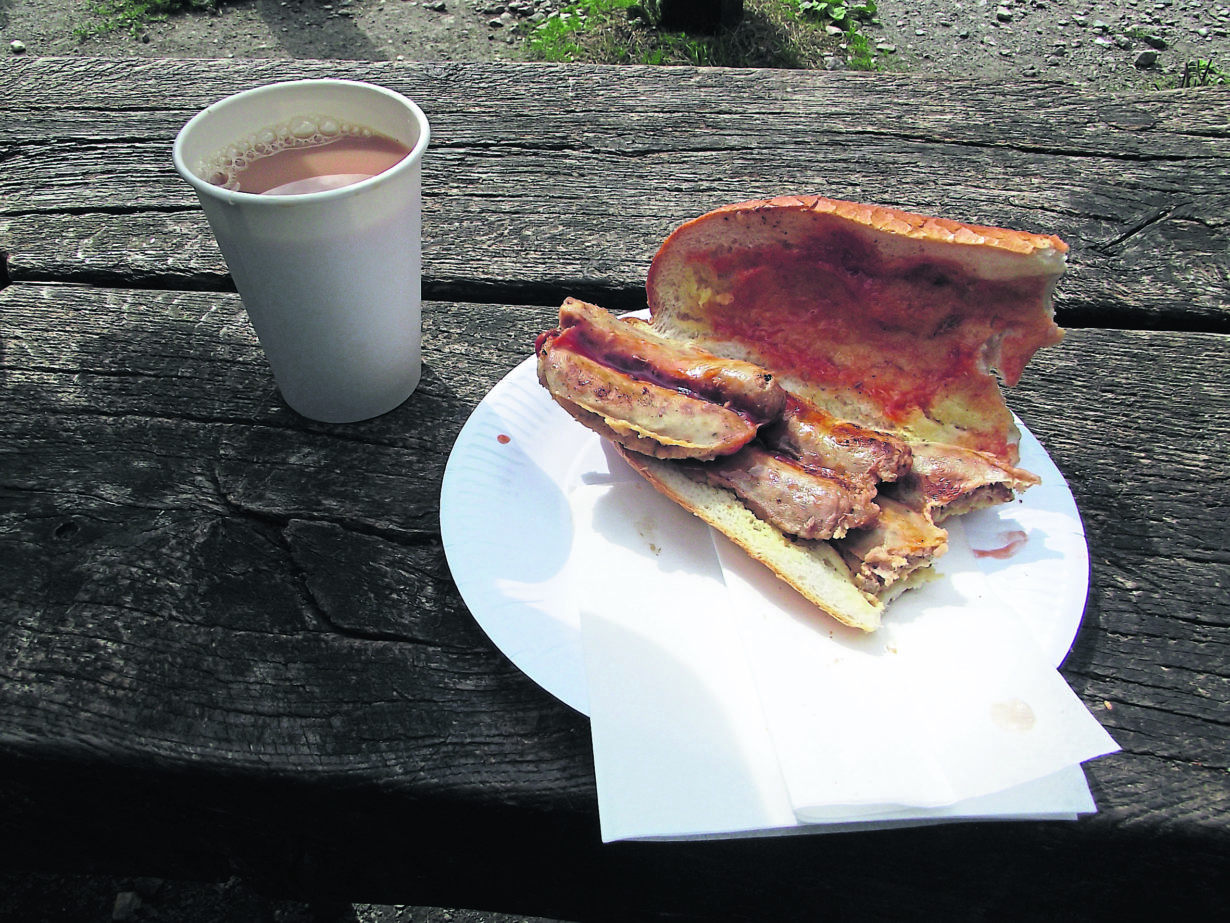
1108	44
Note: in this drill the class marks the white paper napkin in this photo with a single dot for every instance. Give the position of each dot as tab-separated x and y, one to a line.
723	704
680	742
950	700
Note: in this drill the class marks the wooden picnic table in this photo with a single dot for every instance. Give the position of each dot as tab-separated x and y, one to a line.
229	639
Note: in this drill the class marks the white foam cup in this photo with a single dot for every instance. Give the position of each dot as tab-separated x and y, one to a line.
330	280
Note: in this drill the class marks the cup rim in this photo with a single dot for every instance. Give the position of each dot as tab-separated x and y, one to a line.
232	196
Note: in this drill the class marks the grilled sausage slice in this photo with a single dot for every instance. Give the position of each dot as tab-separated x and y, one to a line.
888	553
817	438
634	347
801	501
639	415
650	394
946	480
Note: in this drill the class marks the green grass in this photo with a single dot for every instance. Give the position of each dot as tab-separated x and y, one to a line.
1202	73
846	16
773	33
133	16
1196	73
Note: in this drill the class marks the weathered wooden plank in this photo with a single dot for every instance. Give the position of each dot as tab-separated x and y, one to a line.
1120	122
1138	185
267	600
364	842
239	626
141	378
137	512
1144	442
126	449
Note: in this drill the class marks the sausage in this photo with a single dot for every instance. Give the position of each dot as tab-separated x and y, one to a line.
947	480
889	551
819	439
809	503
641	415
633	347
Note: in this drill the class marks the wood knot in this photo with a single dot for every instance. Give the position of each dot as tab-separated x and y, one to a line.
1128	118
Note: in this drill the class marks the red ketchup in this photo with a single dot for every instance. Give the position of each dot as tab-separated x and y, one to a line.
1012	544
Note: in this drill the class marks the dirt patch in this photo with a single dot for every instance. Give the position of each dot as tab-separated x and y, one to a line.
355	30
1105	44
1109	44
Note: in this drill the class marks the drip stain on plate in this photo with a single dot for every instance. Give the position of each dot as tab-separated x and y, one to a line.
1012	543
1013	715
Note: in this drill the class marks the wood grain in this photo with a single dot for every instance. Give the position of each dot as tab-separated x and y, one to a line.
229	639
1134	183
223	586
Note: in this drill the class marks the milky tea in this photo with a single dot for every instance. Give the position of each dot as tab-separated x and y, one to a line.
304	154
332	280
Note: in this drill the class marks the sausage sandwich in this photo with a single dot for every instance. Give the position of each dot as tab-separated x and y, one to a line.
820	381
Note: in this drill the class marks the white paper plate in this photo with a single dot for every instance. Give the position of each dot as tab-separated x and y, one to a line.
507	529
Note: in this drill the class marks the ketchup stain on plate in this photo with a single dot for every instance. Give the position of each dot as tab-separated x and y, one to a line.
1012	544
503	439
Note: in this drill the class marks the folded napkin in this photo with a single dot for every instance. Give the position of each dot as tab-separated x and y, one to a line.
722	704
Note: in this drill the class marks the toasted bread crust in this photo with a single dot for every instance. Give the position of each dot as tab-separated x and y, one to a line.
861	309
1045	249
814	569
